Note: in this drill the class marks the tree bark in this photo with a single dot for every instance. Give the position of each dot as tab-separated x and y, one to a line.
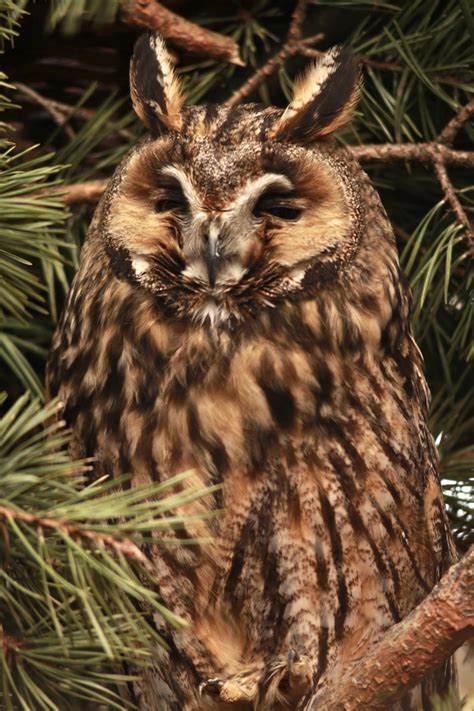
411	649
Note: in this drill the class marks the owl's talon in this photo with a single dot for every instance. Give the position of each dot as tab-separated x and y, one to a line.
293	657
298	678
211	686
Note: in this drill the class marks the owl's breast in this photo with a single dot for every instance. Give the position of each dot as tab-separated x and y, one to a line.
317	440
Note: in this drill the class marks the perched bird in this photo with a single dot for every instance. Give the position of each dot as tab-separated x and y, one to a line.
239	310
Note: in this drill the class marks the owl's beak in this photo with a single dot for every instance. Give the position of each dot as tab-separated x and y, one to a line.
212	257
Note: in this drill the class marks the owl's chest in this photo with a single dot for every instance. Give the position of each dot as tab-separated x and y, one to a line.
260	409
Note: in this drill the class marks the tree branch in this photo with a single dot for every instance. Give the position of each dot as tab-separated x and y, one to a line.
126	547
451	197
294	44
61	112
421	152
409	650
181	32
89	191
449	132
439	155
50	106
298	17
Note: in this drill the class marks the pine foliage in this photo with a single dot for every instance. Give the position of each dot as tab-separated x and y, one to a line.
73	598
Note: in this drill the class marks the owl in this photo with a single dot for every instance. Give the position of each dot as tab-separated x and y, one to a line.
239	313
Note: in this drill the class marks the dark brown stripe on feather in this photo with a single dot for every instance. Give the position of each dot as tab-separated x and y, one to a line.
337	555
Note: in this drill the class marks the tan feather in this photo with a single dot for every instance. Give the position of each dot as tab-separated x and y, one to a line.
154	87
324	98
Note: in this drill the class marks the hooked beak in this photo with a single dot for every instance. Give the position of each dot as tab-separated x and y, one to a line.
212	258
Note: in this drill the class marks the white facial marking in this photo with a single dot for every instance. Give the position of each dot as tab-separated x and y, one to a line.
140	264
187	186
232	273
213	312
254	188
195	270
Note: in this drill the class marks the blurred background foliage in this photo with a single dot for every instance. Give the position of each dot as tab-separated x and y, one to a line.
419	70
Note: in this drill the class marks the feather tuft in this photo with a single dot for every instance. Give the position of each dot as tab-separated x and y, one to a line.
154	87
324	98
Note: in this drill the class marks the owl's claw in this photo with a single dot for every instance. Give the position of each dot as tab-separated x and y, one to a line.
293	657
232	691
211	686
299	674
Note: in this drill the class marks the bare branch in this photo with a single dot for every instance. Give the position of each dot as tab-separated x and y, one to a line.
61	112
50	106
181	32
89	191
411	649
298	17
451	197
258	77
421	152
289	49
449	132
294	44
439	154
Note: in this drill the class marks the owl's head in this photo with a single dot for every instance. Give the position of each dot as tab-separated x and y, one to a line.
222	210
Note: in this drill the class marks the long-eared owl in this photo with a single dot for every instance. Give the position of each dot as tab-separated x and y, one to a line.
239	311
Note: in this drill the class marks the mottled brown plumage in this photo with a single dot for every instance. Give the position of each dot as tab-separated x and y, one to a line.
239	310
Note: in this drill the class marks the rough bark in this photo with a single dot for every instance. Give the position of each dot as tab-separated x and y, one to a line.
410	649
181	32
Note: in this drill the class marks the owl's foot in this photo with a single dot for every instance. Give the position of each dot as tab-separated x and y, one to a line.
287	681
297	678
238	691
282	685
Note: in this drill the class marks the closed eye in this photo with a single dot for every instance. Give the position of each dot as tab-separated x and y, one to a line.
171	196
277	205
170	201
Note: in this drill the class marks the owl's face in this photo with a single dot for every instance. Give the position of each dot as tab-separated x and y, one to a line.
220	211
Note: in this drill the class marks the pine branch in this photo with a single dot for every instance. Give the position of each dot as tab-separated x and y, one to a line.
61	112
126	547
439	154
420	152
50	106
450	131
181	32
293	45
88	191
411	649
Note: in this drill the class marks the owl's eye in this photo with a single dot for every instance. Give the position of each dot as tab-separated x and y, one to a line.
276	205
173	201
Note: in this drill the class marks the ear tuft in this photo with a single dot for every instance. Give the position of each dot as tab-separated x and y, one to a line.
154	88
324	98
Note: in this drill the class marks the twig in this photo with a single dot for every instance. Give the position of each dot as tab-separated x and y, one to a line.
89	191
294	44
298	17
127	548
258	77
181	32
450	194
421	152
289	49
439	154
50	106
449	132
383	66
61	112
411	649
